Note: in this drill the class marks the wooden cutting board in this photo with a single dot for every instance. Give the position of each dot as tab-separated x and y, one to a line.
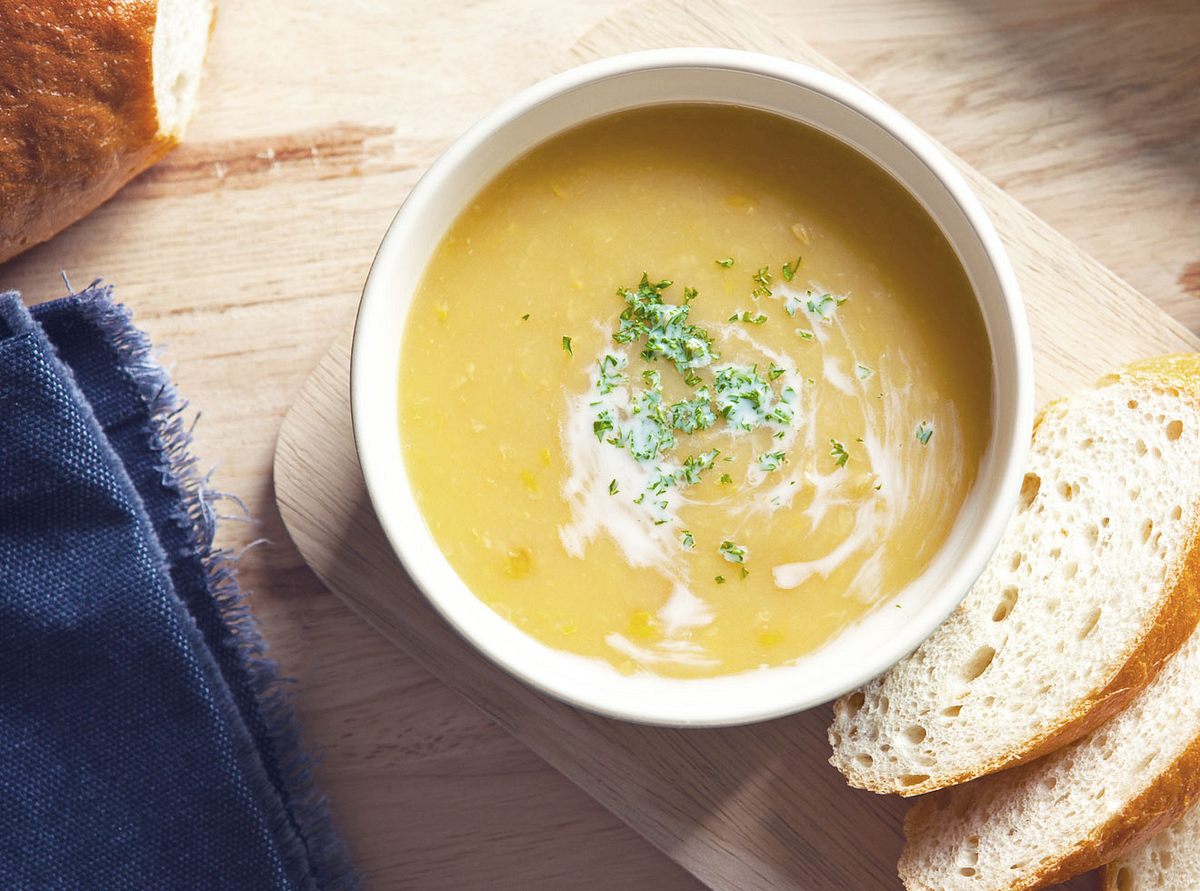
741	808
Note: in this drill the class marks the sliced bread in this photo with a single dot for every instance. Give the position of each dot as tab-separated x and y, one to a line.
1170	861
1073	810
1092	588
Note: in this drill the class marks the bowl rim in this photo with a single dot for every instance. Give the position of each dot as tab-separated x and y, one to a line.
1013	442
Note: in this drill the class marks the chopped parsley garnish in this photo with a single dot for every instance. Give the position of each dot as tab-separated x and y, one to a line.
687	539
771	461
602	424
744	399
733	553
719	579
863	372
525	318
745	572
762	282
725	261
663	326
805	334
838	453
789	270
632	411
650	432
924	432
693	414
694	465
567	346
747	316
825	305
611	374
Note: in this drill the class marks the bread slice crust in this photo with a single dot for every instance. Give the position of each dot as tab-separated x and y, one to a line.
79	118
1177	616
1161	804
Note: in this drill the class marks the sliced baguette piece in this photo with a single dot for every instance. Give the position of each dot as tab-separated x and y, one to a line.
1073	810
94	92
1092	588
1170	861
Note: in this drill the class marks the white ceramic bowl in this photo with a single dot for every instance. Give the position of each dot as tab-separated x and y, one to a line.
673	76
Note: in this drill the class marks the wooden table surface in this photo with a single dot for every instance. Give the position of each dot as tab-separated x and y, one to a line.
243	256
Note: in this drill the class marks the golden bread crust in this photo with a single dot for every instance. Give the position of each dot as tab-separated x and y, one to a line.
78	117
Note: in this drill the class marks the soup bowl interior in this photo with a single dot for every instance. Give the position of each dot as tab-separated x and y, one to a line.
790	90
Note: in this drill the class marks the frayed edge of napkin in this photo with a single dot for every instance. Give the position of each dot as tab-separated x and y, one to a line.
324	854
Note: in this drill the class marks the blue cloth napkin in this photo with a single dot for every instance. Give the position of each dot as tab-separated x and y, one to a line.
144	741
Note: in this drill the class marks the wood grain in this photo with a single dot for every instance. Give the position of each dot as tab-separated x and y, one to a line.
1088	112
744	808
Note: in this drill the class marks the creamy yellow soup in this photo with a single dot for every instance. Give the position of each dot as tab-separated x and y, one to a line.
691	389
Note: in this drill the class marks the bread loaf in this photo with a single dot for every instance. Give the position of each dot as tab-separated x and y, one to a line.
94	91
1094	585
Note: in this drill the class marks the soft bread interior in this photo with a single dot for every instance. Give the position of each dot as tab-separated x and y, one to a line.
180	38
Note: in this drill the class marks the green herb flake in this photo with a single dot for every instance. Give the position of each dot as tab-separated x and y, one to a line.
719	579
774	372
610	375
863	372
805	334
825	306
747	316
725	262
771	461
733	553
566	341
726	479
602	424
838	453
745	572
687	539
924	432
525	318
694	466
790	269
762	282
613	488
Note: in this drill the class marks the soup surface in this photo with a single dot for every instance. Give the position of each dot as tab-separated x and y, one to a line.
690	389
